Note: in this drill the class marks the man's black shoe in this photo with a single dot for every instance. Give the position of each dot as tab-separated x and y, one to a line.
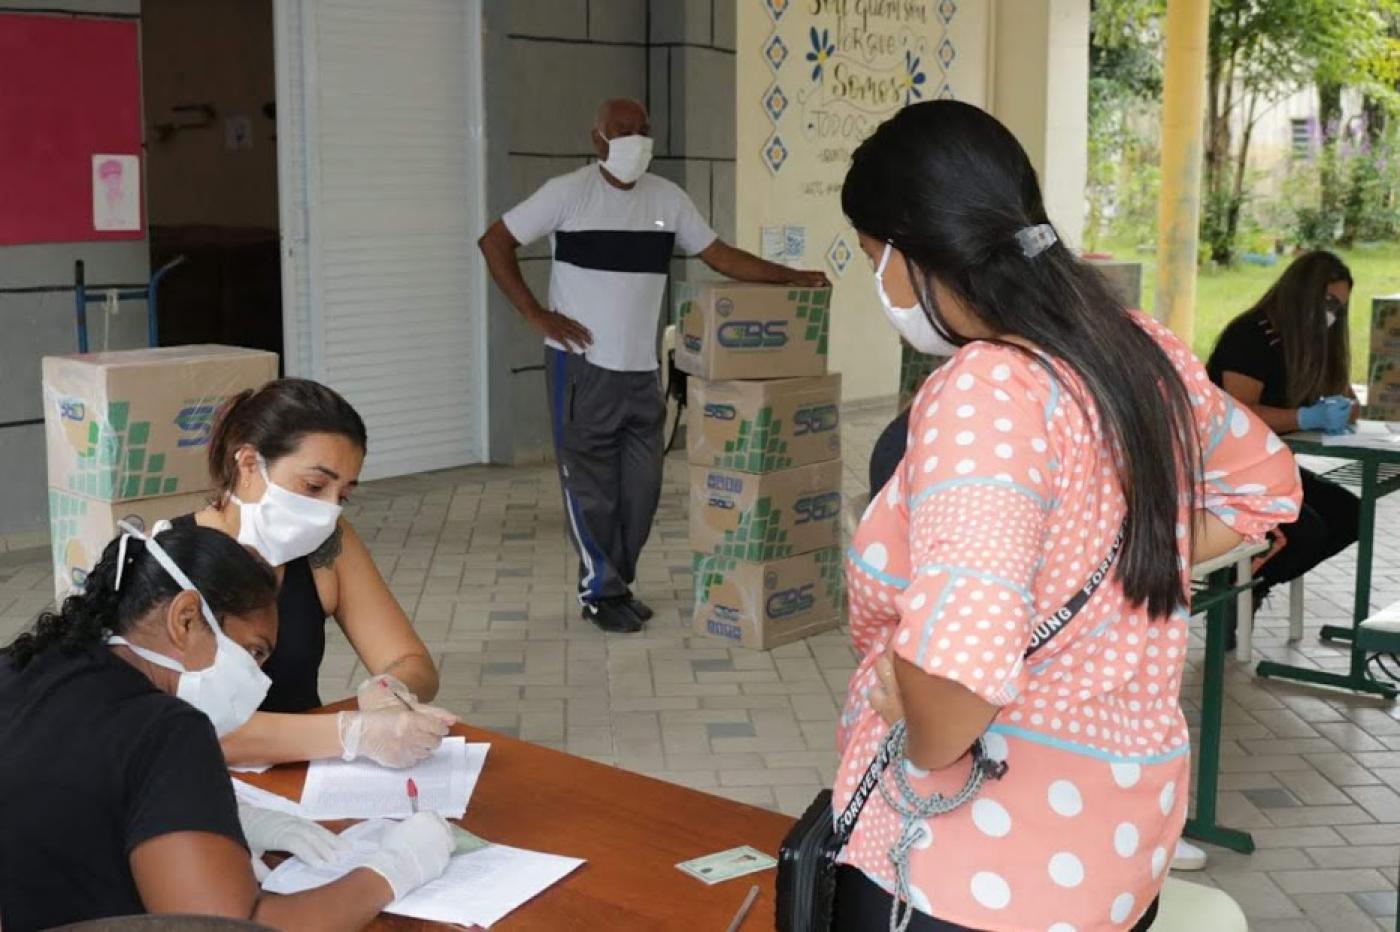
612	615
639	608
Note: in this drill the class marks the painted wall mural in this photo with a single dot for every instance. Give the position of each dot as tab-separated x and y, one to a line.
815	78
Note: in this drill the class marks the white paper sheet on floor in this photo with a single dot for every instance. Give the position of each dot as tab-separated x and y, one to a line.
364	790
480	888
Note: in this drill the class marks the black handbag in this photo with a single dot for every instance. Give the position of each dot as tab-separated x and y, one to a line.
806	889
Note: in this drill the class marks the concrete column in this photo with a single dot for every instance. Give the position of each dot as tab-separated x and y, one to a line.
1179	204
1038	65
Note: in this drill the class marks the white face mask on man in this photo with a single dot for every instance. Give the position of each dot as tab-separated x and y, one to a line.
282	525
911	322
231	688
628	157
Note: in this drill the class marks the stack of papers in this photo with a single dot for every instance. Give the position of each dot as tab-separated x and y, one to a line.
364	790
480	888
1380	435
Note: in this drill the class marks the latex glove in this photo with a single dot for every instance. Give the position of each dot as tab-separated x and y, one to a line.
384	691
414	852
1338	414
1314	416
393	739
266	830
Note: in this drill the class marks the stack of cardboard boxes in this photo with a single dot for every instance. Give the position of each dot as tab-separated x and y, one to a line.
127	436
1383	389
764	444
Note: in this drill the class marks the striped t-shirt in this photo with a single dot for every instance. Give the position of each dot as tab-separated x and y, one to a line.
612	249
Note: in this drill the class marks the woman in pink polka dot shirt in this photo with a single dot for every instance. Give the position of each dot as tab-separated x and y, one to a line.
1062	421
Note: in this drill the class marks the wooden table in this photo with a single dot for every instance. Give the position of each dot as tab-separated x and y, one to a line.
1374	473
631	829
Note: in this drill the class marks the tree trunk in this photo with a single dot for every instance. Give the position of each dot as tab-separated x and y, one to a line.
1329	118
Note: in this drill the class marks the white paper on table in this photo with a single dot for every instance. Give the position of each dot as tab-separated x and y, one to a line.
1380	435
364	790
480	888
263	799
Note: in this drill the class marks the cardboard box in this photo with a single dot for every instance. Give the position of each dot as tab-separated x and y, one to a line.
131	425
761	427
80	529
766	605
1383	386
780	514
735	330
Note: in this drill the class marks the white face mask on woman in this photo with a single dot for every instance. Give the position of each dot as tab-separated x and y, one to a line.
230	689
282	525
911	322
628	157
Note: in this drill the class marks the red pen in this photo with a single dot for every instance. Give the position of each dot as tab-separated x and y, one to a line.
413	795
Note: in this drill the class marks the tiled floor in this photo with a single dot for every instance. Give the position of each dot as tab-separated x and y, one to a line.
479	558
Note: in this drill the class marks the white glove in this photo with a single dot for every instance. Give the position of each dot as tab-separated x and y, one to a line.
393	739
414	852
266	830
388	693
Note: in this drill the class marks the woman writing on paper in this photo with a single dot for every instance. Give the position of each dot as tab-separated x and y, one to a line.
284	460
113	791
1288	359
1061	449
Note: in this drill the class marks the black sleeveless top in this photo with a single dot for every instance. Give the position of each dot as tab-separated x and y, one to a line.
301	639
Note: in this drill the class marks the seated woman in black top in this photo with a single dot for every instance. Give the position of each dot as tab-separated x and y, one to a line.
284	459
1288	359
114	797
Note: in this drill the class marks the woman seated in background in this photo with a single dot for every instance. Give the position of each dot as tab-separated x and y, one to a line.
1288	360
283	460
1062	449
114	796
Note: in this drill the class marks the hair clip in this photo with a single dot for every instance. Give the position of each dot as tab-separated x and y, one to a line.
1036	239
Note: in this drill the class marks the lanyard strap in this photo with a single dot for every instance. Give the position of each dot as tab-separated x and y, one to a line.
1041	634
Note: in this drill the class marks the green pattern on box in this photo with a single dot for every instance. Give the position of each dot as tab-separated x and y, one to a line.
709	572
65	516
759	446
116	463
812	307
833	572
759	535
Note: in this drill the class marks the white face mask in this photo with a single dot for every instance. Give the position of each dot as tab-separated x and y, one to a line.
911	322
1331	317
282	525
230	689
628	157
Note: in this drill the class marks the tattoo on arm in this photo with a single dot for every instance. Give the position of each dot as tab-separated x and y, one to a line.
326	554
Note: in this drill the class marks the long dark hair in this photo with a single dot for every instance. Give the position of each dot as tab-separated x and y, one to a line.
274	419
1317	358
232	580
950	187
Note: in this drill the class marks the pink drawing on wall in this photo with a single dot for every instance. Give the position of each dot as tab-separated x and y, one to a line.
116	192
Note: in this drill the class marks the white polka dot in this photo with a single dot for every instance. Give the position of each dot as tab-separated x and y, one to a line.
1004	450
916	772
903	638
1001	395
931	435
931	464
1272	444
876	556
1239	423
1122	908
924	836
1159	861
995	746
1062	927
1034	474
990	890
918	601
1001	373
1126	775
1038	445
966	466
919	900
1066	870
965	439
965	381
966	411
1168	798
1065	799
991	817
1003	424
1125	839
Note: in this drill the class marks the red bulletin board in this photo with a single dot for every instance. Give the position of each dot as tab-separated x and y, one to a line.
70	88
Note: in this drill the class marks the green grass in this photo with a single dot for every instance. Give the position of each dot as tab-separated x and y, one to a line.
1221	294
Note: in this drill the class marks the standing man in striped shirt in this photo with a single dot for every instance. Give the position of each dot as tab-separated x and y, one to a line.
613	229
